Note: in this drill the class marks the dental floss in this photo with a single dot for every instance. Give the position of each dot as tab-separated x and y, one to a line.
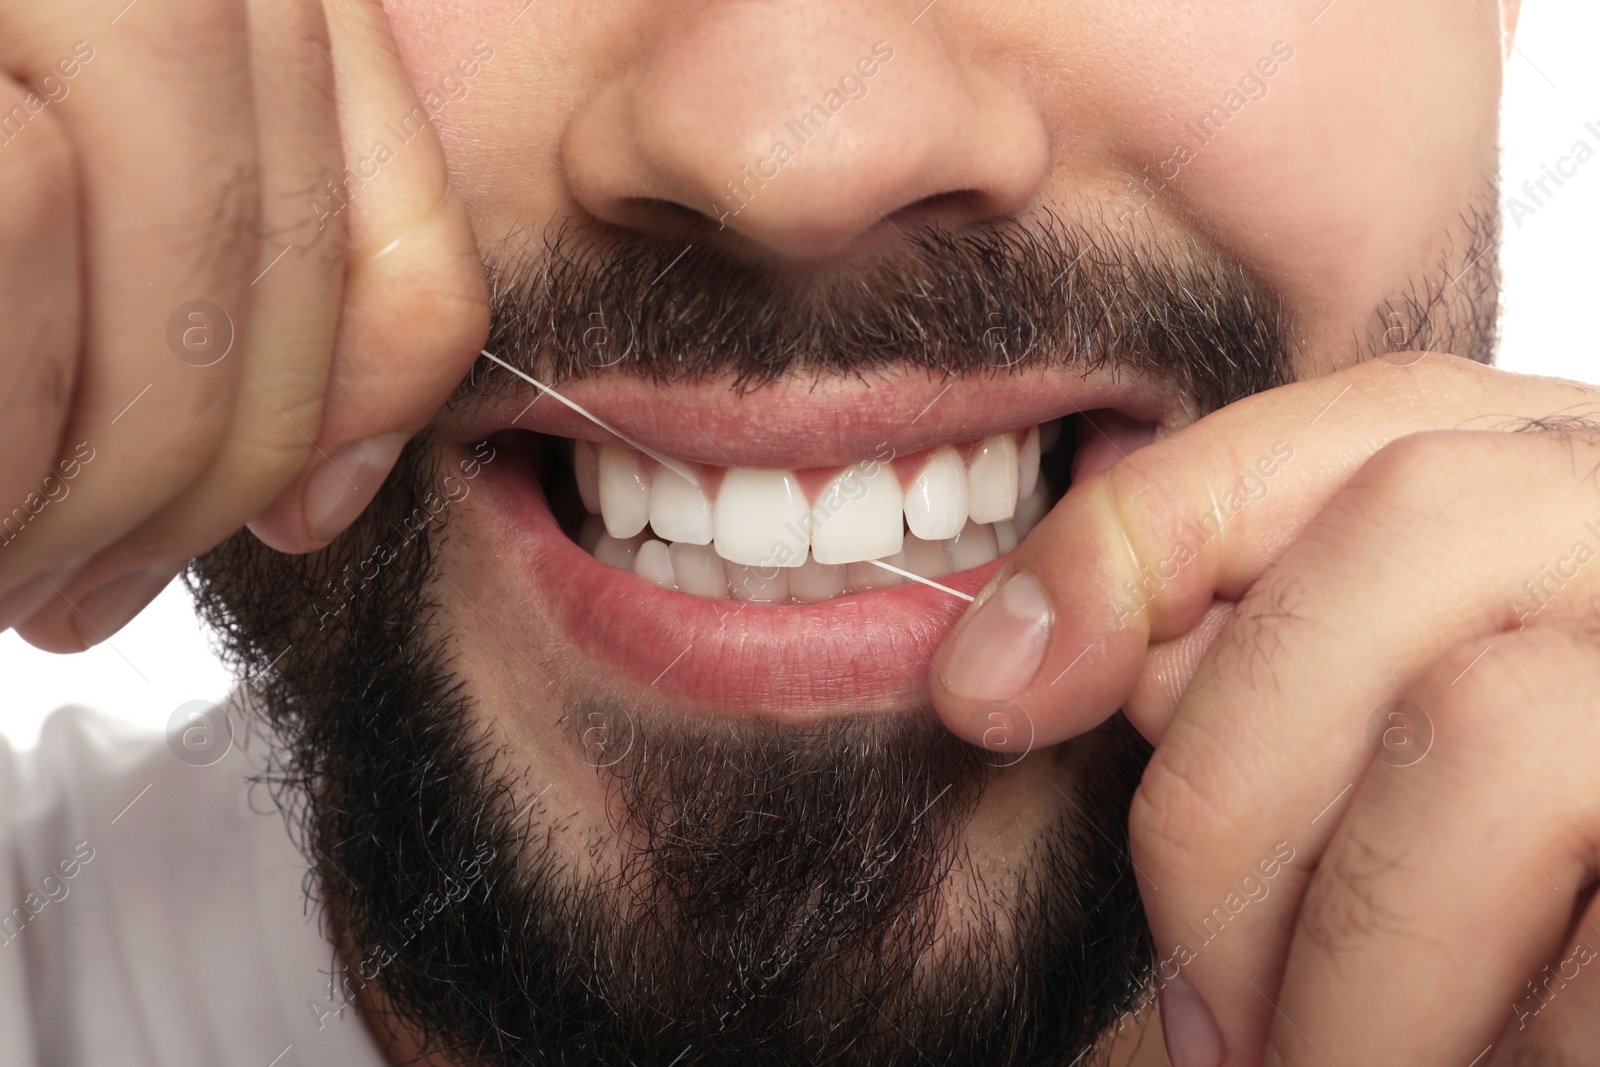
683	472
920	578
671	464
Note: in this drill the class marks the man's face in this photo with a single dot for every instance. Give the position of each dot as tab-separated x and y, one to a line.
794	238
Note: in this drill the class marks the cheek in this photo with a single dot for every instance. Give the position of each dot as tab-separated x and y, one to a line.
1364	150
1365	147
528	718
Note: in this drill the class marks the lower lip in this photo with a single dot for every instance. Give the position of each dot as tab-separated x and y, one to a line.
865	653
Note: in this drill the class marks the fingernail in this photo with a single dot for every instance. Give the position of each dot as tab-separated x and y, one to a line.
33	594
996	651
340	488
1189	1028
105	610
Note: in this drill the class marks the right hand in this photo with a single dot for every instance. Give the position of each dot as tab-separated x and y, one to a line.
195	150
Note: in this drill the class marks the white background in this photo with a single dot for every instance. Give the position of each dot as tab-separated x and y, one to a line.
1552	294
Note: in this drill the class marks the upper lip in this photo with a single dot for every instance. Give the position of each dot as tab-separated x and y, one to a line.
794	424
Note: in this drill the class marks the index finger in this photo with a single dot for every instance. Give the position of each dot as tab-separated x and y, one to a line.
1137	554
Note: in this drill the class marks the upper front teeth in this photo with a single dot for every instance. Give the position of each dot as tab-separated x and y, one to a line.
992	480
763	518
680	511
936	501
860	515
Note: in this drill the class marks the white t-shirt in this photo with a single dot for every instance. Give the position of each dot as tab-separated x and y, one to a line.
152	912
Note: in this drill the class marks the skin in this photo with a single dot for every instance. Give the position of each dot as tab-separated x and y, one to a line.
1378	566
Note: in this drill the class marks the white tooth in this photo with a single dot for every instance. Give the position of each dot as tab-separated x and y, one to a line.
931	559
759	585
815	582
653	563
859	516
974	546
679	510
1033	508
586	468
864	576
624	494
617	552
699	571
1005	536
936	502
1028	464
762	519
992	480
589	533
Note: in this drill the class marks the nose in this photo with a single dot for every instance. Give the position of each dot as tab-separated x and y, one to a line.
813	130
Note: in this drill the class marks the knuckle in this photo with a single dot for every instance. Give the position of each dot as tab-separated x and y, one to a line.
35	419
1257	639
177	449
1378	376
1345	903
1178	811
1515	693
273	453
1154	521
231	227
303	213
1420	474
445	314
201	414
302	20
459	307
274	438
302	204
1519	706
37	172
210	28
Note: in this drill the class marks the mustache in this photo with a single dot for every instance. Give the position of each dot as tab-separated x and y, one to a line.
1000	297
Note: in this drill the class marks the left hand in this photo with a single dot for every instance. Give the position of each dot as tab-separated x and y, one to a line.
1331	876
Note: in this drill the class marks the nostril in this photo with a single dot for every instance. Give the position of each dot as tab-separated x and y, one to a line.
666	218
657	216
953	208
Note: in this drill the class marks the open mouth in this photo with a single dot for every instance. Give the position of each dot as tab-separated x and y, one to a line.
809	535
746	585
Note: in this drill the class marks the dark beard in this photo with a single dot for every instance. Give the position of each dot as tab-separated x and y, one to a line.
780	891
